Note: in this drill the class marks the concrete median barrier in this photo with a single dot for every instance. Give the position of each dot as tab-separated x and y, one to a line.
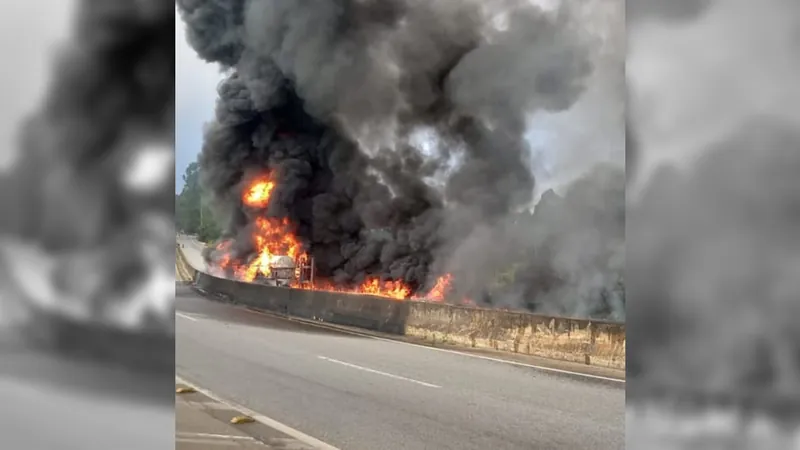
363	311
184	271
595	343
577	340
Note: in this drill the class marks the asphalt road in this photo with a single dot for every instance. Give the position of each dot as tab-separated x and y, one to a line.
92	394
193	252
359	393
67	402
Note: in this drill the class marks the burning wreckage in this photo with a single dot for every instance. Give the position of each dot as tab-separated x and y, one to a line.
371	143
277	258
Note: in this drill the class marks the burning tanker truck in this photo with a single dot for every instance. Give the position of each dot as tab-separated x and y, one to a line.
273	255
377	137
275	270
282	272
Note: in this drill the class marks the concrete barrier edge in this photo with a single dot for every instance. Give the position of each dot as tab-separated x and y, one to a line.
594	343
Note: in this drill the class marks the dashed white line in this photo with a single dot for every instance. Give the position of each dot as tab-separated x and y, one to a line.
378	372
285	429
445	350
186	434
214	442
185	316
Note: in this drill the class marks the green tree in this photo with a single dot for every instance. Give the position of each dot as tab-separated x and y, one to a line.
192	214
187	204
209	230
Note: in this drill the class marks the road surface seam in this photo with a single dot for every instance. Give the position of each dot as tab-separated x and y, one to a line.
264	420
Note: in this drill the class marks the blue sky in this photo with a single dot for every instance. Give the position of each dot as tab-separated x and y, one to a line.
195	94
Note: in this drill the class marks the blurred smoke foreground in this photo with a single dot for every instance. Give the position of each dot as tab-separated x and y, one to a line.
397	132
87	209
713	226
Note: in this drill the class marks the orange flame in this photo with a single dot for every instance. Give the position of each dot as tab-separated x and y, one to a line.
371	286
273	237
257	195
440	289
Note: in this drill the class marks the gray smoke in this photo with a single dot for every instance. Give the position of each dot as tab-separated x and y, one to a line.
111	96
566	258
712	225
395	128
674	11
730	275
110	104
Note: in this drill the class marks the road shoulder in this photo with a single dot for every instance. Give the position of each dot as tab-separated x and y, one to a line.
201	422
557	366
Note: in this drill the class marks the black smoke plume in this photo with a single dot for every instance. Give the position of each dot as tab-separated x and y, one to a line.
394	127
111	98
112	93
715	248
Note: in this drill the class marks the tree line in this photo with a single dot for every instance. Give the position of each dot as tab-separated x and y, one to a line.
192	213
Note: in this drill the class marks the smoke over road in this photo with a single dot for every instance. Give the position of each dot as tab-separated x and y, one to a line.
394	129
86	234
87	199
712	220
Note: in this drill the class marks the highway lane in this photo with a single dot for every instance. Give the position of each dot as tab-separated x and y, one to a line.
52	400
360	393
93	393
193	251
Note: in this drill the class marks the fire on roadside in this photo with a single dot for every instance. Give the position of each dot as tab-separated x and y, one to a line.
273	238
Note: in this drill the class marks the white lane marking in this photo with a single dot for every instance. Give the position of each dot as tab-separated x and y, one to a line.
455	352
285	429
185	316
378	372
208	443
188	434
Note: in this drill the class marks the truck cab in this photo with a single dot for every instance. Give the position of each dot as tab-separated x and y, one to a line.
282	270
